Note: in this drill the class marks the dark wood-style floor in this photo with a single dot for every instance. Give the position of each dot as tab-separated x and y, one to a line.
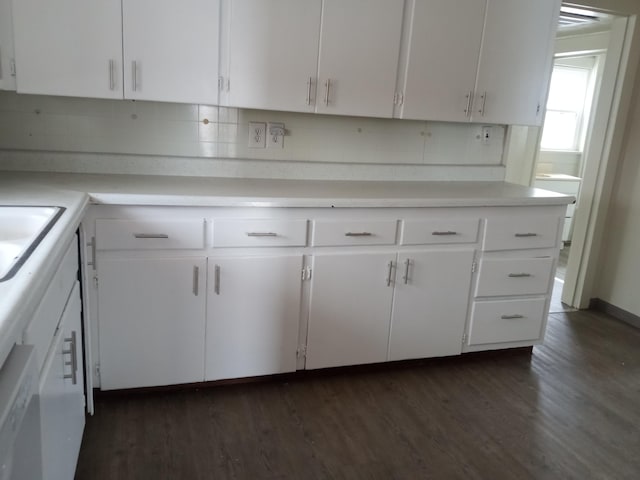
571	410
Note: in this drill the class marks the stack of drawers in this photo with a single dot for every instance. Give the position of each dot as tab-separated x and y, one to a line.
514	282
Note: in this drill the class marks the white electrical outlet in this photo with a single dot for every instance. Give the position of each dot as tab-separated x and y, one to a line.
487	133
275	135
257	134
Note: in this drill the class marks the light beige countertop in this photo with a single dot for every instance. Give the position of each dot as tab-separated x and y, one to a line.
20	295
208	191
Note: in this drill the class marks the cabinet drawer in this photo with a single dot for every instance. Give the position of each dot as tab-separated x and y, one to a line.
514	276
506	321
149	234
43	325
521	233
354	232
259	233
439	230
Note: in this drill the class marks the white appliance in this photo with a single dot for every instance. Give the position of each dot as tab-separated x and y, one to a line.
19	416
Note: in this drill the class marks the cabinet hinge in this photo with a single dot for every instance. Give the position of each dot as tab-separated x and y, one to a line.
464	338
474	266
306	273
95	282
538	110
398	98
12	67
220	83
97	370
302	352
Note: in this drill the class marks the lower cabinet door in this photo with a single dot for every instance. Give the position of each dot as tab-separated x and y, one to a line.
350	309
253	315
430	303
61	398
151	314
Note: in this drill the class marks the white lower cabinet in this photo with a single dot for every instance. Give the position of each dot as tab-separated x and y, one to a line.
253	315
350	309
430	303
61	396
151	314
194	294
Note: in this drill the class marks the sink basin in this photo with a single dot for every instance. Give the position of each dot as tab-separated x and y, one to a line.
22	228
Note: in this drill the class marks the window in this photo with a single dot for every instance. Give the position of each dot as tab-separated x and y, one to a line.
567	108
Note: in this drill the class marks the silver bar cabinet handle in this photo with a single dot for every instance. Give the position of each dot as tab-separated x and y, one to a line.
389	272
407	262
467	110
216	280
358	234
92	244
196	279
327	87
519	275
309	90
112	82
511	317
134	73
74	358
151	235
448	232
484	100
530	234
261	234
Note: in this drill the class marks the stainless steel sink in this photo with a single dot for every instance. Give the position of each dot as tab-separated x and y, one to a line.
22	228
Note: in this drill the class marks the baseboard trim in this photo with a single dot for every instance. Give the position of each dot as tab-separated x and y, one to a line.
616	312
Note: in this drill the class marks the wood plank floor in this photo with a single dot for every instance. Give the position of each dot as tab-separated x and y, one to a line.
569	411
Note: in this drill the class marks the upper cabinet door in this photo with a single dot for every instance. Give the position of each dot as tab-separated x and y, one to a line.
7	74
515	61
359	51
273	54
171	50
444	38
68	47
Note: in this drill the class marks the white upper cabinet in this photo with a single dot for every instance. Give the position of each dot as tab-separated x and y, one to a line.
273	54
477	60
358	61
515	61
444	38
68	47
7	67
171	50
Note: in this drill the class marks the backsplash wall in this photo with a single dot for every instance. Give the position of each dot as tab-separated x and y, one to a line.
115	136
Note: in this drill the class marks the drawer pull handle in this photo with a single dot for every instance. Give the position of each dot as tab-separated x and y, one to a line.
448	232
261	234
358	234
522	235
519	275
511	317
151	235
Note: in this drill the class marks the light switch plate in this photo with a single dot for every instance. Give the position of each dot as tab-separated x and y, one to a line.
257	134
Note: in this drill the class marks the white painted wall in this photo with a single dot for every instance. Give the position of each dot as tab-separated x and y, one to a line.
620	255
181	136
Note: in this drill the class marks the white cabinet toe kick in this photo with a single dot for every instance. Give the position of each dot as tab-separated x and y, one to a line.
193	294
